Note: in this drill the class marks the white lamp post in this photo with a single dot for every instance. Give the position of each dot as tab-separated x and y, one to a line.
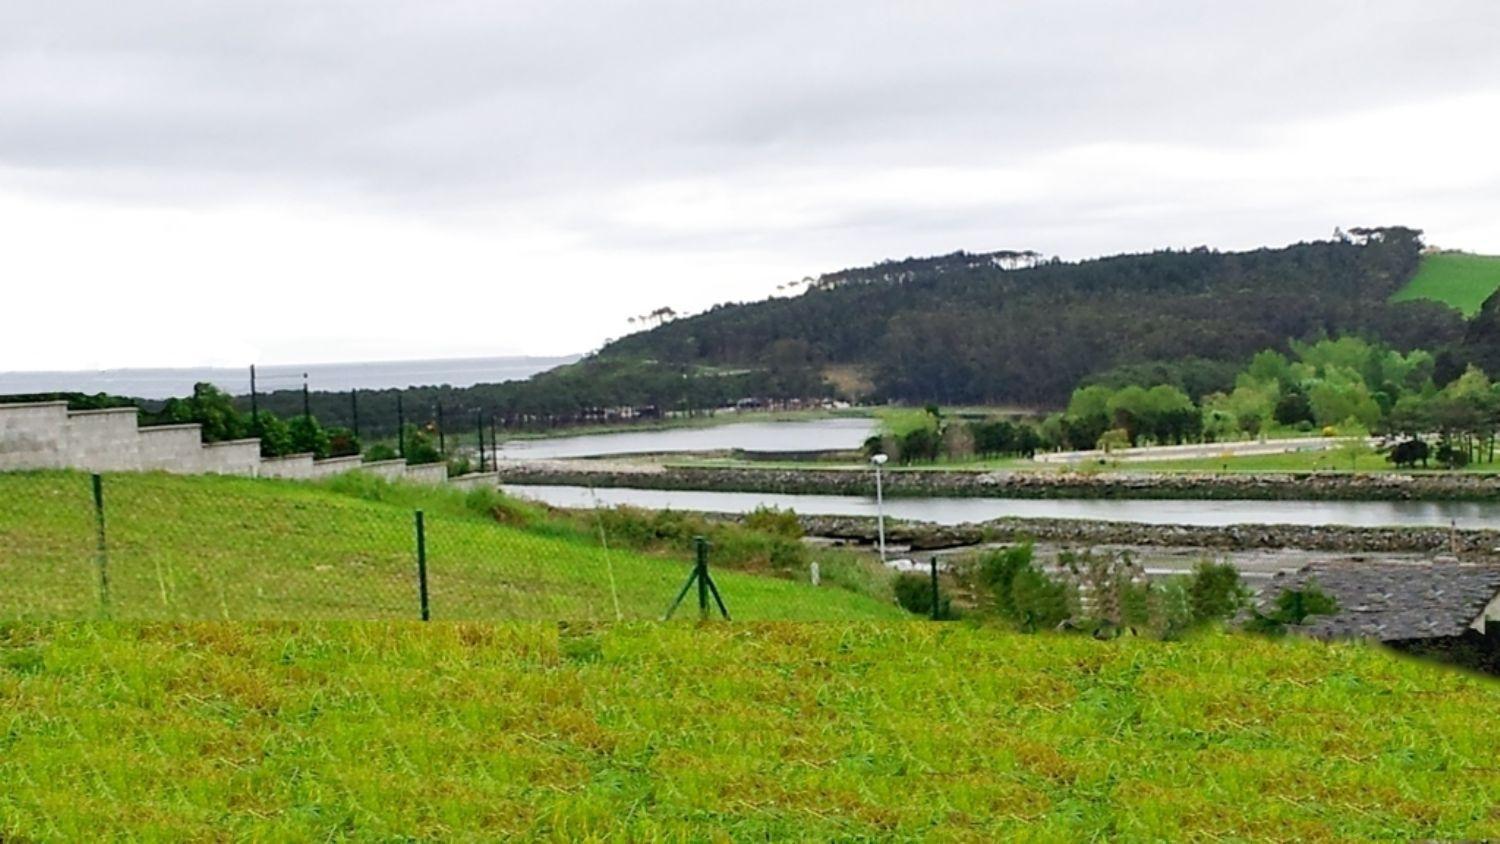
878	461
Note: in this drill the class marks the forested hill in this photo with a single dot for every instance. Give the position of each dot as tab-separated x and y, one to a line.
1007	327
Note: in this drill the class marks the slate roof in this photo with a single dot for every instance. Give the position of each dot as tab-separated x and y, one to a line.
1393	601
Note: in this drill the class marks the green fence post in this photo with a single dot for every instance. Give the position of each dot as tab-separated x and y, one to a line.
701	545
101	547
935	595
422	564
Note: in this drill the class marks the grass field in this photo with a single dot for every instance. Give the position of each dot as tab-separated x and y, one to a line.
909	730
1455	278
239	548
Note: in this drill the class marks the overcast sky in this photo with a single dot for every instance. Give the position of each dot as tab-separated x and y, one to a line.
187	183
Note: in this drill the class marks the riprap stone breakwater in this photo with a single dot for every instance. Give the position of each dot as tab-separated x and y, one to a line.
921	536
1309	486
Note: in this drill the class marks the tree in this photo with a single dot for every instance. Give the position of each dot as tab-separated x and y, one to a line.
308	437
275	436
1293	408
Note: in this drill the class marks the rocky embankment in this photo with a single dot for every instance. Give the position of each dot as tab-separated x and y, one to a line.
920	536
1322	486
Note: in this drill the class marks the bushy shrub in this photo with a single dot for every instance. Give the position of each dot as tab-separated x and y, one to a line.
1215	592
776	521
342	442
308	437
378	452
419	446
459	465
1020	592
914	594
1291	608
275	436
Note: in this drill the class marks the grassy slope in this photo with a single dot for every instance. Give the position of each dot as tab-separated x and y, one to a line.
1458	279
780	732
237	548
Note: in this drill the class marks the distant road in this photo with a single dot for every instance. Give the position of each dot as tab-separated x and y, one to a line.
1199	450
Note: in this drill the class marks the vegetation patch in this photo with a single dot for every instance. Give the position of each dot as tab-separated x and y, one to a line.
397	730
1459	279
181	547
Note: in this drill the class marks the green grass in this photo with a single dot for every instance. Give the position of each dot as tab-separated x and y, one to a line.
1454	278
239	548
898	731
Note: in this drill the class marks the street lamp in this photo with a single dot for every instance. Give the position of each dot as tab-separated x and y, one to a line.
878	460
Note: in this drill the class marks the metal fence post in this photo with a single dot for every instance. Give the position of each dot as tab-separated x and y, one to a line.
936	612
101	547
701	546
400	428
422	564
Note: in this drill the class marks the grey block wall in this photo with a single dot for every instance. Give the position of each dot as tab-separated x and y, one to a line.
170	448
293	466
476	479
335	466
232	457
46	435
427	473
102	440
393	470
31	435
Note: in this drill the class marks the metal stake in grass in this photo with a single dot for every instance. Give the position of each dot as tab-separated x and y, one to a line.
705	583
422	564
101	547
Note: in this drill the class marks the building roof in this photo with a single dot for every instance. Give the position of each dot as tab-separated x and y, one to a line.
1393	601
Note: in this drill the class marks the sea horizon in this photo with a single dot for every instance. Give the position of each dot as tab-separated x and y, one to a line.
167	382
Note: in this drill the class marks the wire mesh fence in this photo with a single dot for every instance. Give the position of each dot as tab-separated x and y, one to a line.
152	547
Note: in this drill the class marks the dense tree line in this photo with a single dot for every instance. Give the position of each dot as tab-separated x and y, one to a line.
971	329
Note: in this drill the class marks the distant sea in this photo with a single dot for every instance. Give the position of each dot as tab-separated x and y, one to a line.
375	375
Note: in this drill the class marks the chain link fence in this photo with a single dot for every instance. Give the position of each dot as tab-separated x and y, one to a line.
134	546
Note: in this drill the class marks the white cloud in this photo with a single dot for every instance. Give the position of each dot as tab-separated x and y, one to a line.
291	181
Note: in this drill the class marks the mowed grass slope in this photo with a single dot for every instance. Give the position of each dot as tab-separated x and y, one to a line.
239	548
907	730
1454	278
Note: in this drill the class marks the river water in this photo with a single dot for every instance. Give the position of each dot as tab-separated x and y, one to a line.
949	511
812	435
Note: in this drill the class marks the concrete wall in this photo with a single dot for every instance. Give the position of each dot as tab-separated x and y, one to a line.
476	479
336	466
102	440
392	470
170	448
232	457
294	466
427	473
46	435
31	435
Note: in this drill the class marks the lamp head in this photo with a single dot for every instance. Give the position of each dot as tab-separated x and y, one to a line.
879	459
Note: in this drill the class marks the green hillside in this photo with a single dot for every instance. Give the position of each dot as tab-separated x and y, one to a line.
899	731
240	548
1454	278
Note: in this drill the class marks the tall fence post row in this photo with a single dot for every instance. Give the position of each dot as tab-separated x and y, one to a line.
101	544
422	565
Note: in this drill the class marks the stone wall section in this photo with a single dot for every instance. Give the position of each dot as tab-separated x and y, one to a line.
46	435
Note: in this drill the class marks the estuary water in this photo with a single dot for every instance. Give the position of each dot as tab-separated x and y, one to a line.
811	435
949	511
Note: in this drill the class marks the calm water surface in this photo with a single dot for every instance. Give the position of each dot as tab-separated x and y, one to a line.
811	435
950	511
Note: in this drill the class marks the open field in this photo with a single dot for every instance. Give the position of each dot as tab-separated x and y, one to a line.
237	548
1454	278
397	730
